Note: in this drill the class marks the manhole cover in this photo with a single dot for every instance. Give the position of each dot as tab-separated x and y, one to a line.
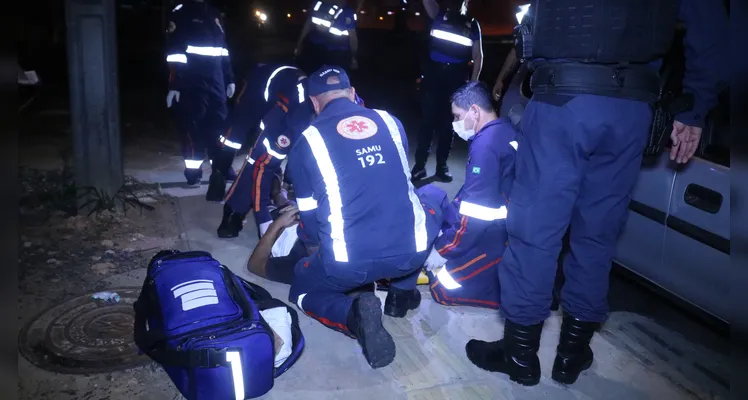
84	336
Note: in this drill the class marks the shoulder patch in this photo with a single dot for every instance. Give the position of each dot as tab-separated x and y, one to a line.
476	170
283	141
357	128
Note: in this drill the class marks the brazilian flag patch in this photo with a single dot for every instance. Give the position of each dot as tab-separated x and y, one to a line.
476	170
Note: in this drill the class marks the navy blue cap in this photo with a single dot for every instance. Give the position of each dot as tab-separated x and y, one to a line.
328	78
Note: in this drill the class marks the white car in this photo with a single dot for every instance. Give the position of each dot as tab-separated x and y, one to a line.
678	231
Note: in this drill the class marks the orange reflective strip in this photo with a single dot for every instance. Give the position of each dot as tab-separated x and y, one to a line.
236	182
457	238
260	169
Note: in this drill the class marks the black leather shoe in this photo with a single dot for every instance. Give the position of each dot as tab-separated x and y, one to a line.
231	223
194	177
365	322
399	302
514	355
418	173
443	174
216	187
573	354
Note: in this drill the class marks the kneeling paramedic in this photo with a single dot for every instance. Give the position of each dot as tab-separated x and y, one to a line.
200	81
350	175
464	261
281	127
265	87
584	132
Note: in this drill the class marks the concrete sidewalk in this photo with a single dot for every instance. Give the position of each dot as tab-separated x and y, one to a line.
635	358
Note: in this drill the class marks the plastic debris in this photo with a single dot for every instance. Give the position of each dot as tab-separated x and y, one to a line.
109	297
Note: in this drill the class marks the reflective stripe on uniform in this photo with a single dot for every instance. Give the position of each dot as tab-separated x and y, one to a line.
482	212
446	279
514	144
317	6
177	58
420	217
250	160
302	95
330	177
270	150
267	84
207	51
338	32
233	145
451	37
322	22
193	164
306	203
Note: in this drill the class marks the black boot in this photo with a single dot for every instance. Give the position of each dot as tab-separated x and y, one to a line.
418	172
231	223
216	187
573	354
399	302
514	355
443	174
194	176
365	322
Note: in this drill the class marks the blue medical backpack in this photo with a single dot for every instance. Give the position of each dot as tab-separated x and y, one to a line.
202	324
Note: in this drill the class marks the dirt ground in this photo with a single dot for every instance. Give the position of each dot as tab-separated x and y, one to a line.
63	256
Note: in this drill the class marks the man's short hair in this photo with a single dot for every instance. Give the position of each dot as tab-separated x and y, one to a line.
473	93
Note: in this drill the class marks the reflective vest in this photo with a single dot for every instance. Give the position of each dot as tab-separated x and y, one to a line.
450	35
325	18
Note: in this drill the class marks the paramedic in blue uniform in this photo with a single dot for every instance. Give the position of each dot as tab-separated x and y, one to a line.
281	126
584	132
474	234
455	40
265	87
329	36
200	81
357	204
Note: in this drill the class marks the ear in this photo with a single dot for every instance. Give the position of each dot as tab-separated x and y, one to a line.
315	104
352	97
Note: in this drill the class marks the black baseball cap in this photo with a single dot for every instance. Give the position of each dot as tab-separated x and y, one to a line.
328	78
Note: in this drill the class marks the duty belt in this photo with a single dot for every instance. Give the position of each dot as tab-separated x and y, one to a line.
638	82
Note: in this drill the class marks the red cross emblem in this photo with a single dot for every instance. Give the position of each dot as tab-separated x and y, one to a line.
357	128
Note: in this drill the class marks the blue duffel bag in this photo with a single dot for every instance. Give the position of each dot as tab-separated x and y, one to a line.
202	323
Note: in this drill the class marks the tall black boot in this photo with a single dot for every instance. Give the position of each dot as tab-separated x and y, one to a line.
399	302
573	354
231	223
515	355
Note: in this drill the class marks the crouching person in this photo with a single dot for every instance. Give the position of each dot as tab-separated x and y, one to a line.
350	175
464	261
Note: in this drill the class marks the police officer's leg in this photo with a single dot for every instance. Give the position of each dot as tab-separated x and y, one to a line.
221	157
238	202
429	109
597	220
444	133
193	147
549	166
319	291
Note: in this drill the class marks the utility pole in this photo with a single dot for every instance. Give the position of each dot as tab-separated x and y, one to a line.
94	94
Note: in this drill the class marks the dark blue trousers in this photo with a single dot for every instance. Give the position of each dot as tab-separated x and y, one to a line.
577	163
200	118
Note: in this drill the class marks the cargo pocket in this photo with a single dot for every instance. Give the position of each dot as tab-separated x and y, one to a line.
521	216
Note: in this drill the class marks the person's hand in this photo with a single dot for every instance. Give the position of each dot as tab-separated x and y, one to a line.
354	64
686	140
497	89
289	216
230	89
434	260
170	97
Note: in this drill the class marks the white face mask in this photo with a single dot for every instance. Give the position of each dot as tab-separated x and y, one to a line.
461	131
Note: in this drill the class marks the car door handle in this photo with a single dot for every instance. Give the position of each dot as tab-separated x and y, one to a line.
703	198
